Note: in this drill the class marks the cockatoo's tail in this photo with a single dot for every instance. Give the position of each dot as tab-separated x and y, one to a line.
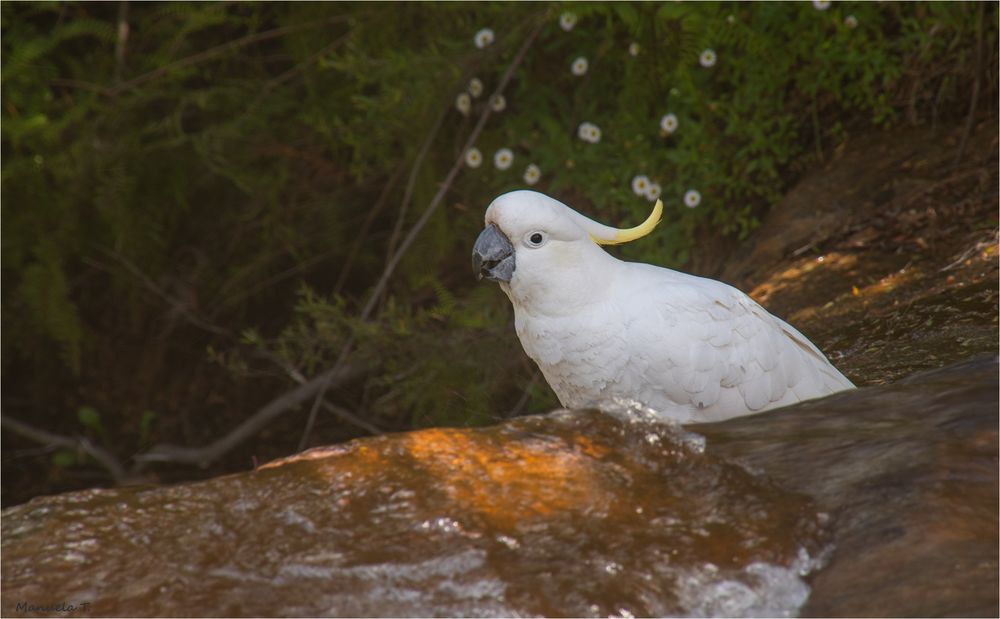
600	328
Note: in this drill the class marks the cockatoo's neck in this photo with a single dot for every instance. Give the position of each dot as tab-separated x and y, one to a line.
575	275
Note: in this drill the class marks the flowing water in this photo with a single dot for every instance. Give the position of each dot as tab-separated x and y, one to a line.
880	501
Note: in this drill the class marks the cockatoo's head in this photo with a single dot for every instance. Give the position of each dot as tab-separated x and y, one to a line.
532	240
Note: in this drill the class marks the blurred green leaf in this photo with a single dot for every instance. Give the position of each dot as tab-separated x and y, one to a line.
90	418
65	459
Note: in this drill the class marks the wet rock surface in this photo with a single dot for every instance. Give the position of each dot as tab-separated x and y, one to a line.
908	473
575	513
887	256
572	513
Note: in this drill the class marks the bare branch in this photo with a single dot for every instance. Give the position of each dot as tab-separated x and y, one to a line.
257	37
339	411
82	443
203	456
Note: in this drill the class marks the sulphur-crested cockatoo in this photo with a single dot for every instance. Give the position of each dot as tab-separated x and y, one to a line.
600	328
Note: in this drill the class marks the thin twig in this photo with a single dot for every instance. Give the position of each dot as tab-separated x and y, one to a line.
294	71
816	133
121	43
178	306
297	268
970	120
82	443
321	396
223	48
362	234
525	396
968	253
412	180
82	85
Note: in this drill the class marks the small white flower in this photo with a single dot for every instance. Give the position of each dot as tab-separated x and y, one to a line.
567	21
579	66
653	192
532	174
498	103
473	158
633	49
707	58
475	87
668	123
593	134
589	132
463	103
851	22
731	19
483	38
640	184
692	198
503	158
821	5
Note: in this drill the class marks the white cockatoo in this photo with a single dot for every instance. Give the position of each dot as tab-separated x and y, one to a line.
599	328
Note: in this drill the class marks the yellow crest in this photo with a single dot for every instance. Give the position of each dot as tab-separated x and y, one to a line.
631	234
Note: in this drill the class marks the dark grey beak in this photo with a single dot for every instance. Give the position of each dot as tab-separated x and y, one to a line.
493	255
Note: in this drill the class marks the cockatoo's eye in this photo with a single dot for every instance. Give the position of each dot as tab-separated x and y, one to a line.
535	239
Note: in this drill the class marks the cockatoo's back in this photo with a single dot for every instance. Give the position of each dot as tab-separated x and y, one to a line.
708	352
693	348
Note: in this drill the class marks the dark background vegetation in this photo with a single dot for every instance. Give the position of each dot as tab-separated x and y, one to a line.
199	201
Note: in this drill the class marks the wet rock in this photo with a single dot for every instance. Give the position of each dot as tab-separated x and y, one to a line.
887	257
577	513
572	513
908	473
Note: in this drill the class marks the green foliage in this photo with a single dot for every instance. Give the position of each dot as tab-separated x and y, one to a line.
146	421
214	178
786	78
90	418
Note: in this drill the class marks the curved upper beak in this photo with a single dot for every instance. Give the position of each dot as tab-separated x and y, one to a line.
493	255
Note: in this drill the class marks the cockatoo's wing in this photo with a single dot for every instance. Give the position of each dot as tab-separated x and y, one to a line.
709	348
